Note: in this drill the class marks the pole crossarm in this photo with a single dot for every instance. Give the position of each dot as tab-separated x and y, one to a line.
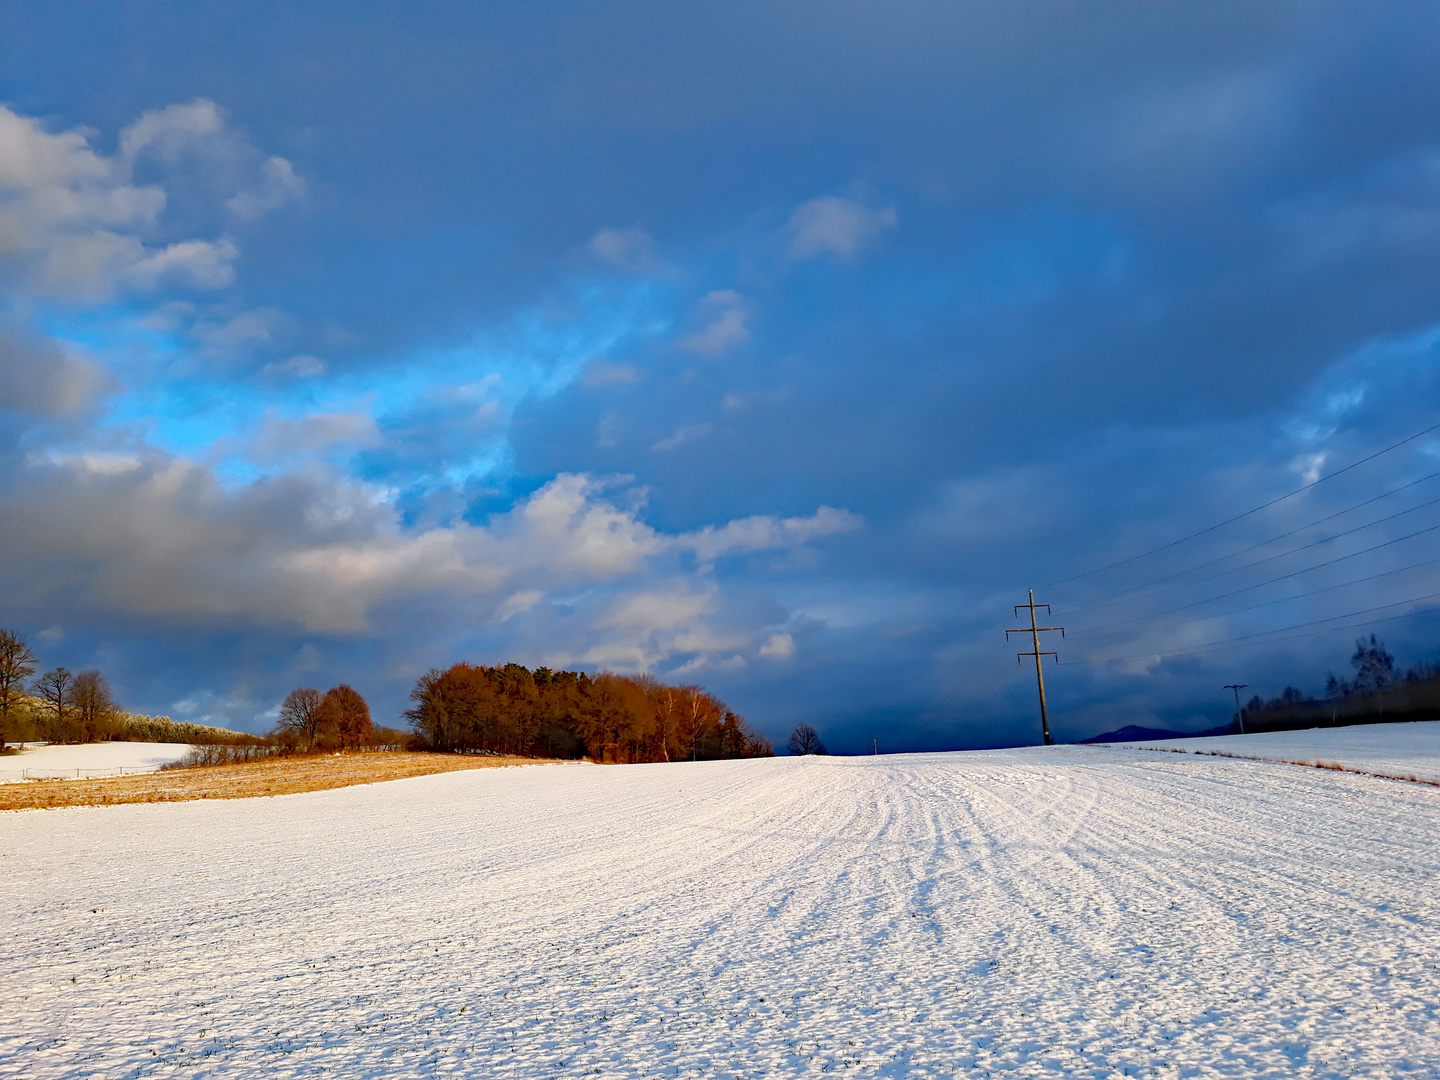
1035	630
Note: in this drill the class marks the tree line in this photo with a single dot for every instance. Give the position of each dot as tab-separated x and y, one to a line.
502	709
1378	691
509	709
60	706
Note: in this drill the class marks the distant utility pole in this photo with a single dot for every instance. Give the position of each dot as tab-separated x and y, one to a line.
1035	632
1239	716
877	745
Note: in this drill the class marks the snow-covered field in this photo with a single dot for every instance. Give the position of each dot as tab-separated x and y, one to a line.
1391	749
89	759
1076	911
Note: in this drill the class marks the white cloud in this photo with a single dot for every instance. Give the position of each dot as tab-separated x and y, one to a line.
778	647
158	538
31	158
517	603
282	438
80	227
764	532
658	611
683	435
168	132
207	263
629	249
727	312
278	185
259	326
835	226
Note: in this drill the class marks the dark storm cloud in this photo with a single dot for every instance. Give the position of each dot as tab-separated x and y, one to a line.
1028	289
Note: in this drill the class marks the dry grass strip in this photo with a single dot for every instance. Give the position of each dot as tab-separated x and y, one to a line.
1333	766
278	776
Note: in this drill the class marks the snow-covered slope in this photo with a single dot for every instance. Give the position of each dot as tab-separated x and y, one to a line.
1391	749
1088	912
89	759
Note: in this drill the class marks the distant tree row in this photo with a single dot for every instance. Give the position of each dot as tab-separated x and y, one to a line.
1377	692
510	709
61	706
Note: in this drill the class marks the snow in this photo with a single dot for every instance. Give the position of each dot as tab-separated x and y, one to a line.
1391	749
89	759
1063	911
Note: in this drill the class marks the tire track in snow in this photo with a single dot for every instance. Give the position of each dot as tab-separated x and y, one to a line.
1087	912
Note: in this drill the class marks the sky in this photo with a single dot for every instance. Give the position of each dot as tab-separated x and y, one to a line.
778	348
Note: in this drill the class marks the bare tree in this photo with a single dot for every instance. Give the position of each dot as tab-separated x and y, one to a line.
94	705
53	688
17	663
345	712
1373	664
805	740
300	716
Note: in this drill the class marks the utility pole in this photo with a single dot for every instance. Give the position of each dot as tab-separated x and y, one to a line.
877	745
1035	632
1239	716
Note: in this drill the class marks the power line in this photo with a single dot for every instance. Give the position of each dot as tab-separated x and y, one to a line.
986	660
1097	601
1252	607
1247	513
1287	577
1292	551
1265	633
1199	650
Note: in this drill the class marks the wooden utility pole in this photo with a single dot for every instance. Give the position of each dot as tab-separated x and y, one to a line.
1239	716
1035	632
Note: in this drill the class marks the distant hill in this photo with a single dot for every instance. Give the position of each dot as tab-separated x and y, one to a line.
1135	733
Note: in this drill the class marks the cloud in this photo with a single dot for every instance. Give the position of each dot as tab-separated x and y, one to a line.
629	249
763	532
727	312
684	435
146	537
281	439
170	131
517	603
278	185
259	326
303	366
652	611
46	378
205	263
1131	246
778	647
1175	141
33	159
80	226
835	226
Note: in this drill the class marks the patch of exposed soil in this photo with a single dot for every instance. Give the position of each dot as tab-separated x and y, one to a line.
279	776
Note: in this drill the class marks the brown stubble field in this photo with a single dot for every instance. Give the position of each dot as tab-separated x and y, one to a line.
280	776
